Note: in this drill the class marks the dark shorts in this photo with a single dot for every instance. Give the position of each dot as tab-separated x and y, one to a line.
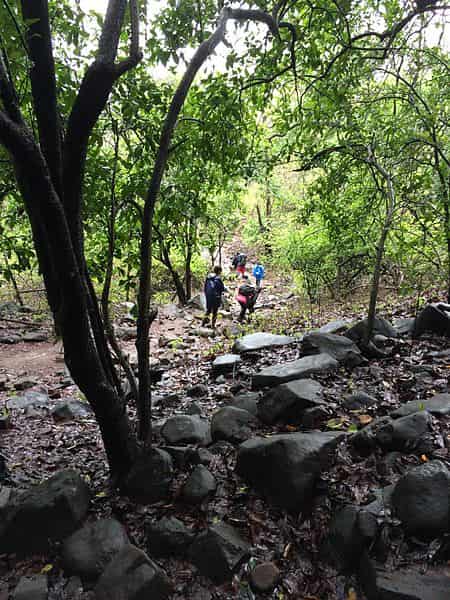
213	304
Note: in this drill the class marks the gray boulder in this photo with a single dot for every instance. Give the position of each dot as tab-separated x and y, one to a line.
286	467
35	336
150	477
351	531
131	575
27	400
404	326
296	369
232	424
199	485
287	402
403	434
31	588
226	363
338	346
405	584
338	326
70	409
247	401
381	327
10	338
438	405
198	301
87	551
421	500
47	512
434	318
168	537
187	429
218	551
359	401
260	340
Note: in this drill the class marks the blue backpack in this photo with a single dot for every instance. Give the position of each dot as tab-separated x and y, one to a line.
258	272
213	287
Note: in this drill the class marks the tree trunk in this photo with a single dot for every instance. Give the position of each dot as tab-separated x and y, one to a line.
390	192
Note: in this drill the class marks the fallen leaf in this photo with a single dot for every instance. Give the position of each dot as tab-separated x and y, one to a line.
365	419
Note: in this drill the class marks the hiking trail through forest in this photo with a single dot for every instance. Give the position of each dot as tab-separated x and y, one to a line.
235	520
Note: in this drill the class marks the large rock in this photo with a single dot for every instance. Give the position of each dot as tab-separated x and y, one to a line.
31	588
131	575
198	301
232	424
87	551
168	537
29	399
260	340
287	401
359	401
218	552
199	485
71	409
380	327
404	326
434	318
296	369
150	477
421	500
47	512
187	429
247	401
338	326
286	467
404	584
351	530
338	346
438	405
226	363
402	434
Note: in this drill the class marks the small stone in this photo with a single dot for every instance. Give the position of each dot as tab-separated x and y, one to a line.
131	575
186	429
24	383
218	551
225	363
168	537
70	409
232	424
199	485
196	391
150	477
260	340
264	577
35	336
359	401
87	551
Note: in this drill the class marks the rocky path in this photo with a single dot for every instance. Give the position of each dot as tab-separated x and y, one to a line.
291	467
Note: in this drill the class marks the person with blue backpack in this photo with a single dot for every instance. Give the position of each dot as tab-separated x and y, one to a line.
258	274
214	289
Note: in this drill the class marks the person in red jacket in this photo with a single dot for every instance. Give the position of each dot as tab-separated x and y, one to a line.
246	297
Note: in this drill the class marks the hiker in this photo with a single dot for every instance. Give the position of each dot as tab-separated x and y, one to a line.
238	262
246	297
214	289
258	274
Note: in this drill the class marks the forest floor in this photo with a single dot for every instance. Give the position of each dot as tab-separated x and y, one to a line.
36	445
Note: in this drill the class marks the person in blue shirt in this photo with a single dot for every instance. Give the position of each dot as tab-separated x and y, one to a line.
214	289
258	274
